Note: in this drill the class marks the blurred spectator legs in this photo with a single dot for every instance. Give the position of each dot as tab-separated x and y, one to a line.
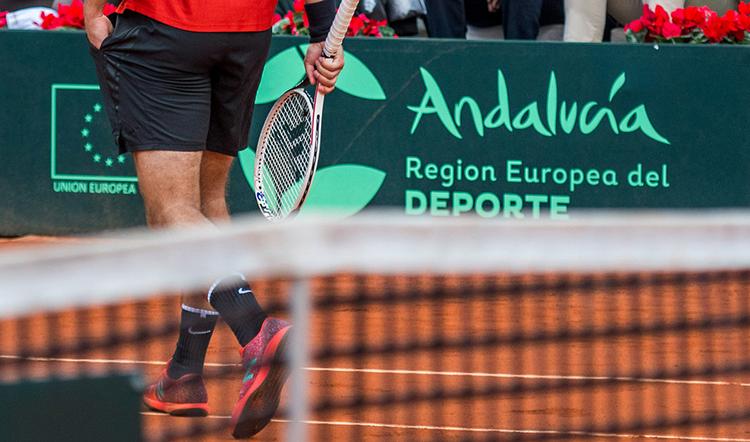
446	18
523	18
481	22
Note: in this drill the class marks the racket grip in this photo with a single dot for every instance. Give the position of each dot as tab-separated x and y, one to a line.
340	26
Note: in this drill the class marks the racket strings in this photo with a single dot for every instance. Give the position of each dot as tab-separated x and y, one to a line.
290	168
287	159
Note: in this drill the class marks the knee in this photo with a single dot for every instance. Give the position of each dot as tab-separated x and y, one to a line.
213	198
215	208
173	213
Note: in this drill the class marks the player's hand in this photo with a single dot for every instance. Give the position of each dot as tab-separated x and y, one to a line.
321	70
98	27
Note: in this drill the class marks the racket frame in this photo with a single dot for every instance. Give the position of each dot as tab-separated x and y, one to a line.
316	113
331	46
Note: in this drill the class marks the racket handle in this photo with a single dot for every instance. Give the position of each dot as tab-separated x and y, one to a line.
340	26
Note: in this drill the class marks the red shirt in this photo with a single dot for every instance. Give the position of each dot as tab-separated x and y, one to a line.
207	15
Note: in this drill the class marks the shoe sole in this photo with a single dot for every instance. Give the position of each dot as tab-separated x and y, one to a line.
258	406
173	409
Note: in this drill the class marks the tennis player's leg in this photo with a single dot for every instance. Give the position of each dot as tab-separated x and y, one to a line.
262	338
231	295
234	83
183	189
169	184
214	179
156	82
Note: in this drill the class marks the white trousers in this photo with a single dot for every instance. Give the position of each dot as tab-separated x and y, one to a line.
585	19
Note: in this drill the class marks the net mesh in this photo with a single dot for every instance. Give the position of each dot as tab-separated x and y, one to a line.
284	154
517	331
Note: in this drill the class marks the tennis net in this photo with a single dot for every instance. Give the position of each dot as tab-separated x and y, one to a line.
607	326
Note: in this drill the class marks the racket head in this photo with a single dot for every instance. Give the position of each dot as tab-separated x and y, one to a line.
287	154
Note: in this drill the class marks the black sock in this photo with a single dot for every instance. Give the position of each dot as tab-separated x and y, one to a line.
196	328
232	298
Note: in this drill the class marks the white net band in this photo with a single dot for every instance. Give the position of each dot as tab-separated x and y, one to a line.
377	243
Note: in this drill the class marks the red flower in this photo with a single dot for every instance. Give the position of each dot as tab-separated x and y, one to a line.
295	22
715	28
356	25
3	20
648	15
71	15
372	27
695	16
660	17
688	18
698	24
743	22
678	17
735	24
646	20
50	21
634	26
299	8
671	30
291	25
372	31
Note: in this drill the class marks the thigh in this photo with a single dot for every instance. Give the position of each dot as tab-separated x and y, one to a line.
159	85
168	178
234	82
585	20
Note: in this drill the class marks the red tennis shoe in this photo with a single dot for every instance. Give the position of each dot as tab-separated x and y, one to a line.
185	396
264	360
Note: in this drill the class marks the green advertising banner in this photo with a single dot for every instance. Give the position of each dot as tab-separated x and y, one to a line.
439	128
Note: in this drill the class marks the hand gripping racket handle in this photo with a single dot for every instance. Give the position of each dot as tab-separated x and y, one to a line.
340	25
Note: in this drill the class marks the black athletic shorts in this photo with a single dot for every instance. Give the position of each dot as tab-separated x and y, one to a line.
169	89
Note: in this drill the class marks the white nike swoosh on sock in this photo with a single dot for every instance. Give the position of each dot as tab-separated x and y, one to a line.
243	291
204	332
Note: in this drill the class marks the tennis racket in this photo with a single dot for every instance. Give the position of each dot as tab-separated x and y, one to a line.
289	144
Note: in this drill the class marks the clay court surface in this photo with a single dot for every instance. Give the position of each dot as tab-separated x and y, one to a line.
584	365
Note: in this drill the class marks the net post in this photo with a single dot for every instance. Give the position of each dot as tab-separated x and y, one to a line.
299	348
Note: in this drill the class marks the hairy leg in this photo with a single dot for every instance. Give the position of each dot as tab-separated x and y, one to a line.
214	176
230	296
170	185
